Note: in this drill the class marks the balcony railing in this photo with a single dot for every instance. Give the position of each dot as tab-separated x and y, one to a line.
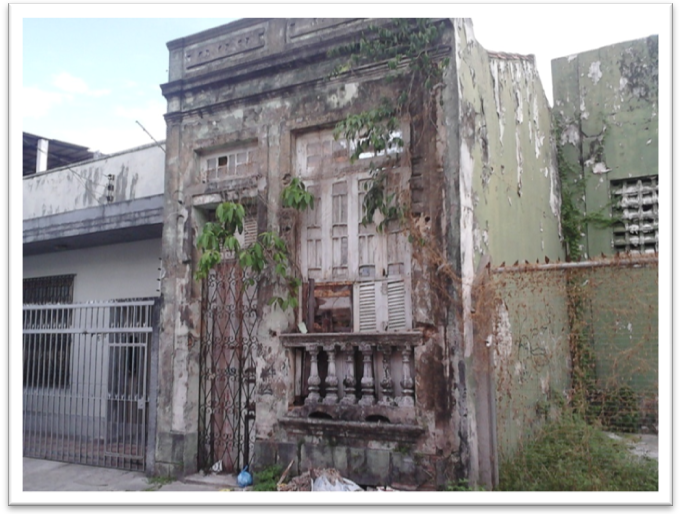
358	376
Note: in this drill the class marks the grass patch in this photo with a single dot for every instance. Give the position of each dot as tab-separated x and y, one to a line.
266	479
570	455
156	483
462	486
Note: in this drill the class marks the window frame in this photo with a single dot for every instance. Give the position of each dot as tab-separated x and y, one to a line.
321	183
50	353
626	238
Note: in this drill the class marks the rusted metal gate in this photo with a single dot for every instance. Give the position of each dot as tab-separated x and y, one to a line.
227	369
86	391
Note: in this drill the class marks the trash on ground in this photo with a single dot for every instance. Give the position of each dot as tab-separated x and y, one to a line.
320	480
244	478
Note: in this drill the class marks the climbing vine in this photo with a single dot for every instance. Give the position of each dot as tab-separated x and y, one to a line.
575	220
219	239
573	186
408	47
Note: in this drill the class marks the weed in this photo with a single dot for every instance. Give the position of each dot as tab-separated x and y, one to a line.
461	486
155	483
570	455
267	479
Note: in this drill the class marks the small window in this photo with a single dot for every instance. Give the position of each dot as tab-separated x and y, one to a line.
236	162
47	355
55	289
636	204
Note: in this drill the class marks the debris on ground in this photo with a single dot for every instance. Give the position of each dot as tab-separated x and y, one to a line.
328	479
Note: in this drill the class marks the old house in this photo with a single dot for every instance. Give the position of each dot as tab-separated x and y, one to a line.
91	249
387	368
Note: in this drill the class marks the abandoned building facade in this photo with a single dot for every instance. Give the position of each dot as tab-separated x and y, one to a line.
417	354
384	384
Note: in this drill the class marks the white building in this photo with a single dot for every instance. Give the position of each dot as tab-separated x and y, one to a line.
92	246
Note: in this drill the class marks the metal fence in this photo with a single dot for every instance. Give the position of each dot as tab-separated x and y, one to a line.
85	382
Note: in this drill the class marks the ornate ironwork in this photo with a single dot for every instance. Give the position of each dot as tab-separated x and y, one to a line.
227	369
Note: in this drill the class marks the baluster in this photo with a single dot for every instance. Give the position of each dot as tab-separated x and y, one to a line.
349	382
407	384
386	383
331	379
314	380
367	382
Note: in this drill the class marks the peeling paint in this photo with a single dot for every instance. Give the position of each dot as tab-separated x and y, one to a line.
570	135
520	162
539	144
600	168
594	72
584	112
344	96
503	333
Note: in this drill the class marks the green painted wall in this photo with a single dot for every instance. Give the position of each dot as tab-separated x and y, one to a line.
606	107
511	173
532	359
510	211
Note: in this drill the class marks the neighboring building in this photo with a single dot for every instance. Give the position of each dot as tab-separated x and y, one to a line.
91	245
394	382
606	114
41	154
99	220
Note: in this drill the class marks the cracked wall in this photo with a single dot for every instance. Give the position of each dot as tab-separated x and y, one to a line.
265	95
510	212
606	107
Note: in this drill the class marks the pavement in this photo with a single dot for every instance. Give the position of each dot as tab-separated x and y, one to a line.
642	445
46	475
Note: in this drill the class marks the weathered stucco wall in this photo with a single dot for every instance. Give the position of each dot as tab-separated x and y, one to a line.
264	97
606	105
137	173
128	270
623	324
508	166
531	351
510	211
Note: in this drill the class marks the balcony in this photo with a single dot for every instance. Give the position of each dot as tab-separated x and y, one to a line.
354	382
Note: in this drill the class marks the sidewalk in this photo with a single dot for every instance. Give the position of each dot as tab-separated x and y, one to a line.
46	475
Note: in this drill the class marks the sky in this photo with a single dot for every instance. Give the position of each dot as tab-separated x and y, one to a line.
84	73
88	80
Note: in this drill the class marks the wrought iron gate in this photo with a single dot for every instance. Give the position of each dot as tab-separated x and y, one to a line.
86	369
227	369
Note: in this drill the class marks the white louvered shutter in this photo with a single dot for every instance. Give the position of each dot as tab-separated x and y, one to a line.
396	306
365	307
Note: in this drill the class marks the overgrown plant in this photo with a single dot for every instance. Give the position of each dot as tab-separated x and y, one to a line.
571	455
219	239
267	478
574	226
408	47
573	186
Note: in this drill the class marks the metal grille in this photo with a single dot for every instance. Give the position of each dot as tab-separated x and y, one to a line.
85	382
227	369
636	202
56	289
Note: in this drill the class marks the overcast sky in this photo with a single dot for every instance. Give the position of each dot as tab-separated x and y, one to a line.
87	80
